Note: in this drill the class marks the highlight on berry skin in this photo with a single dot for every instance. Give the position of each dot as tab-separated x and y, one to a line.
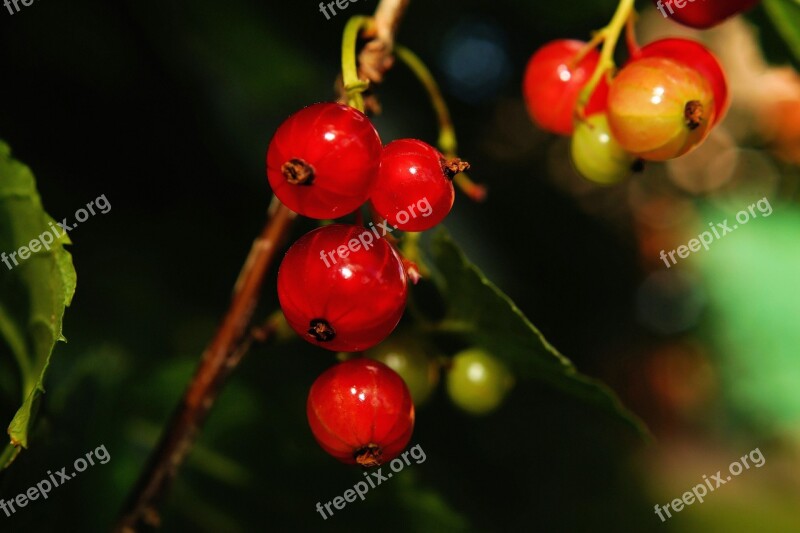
350	302
323	160
415	174
343	417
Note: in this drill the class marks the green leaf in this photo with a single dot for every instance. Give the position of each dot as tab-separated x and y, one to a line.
785	15
482	314
33	291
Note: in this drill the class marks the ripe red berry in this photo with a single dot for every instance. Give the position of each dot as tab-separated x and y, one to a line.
360	412
342	287
694	55
659	109
414	191
323	160
553	83
702	13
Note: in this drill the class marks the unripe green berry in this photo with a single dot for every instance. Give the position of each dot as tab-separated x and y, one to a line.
477	382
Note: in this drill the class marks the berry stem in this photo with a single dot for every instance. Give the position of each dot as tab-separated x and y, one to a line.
634	50
447	142
610	36
353	85
447	135
597	39
376	56
223	354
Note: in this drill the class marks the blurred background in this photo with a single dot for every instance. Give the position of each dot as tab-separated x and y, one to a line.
167	108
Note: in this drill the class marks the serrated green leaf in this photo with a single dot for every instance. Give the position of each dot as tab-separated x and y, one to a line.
33	292
785	15
481	313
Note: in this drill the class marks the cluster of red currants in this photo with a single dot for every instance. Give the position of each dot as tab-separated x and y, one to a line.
325	162
661	104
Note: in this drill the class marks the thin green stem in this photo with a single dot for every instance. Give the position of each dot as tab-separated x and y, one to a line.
447	136
447	142
634	50
597	39
353	85
610	36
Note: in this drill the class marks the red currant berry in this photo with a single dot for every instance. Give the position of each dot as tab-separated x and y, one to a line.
659	109
694	55
553	82
342	287
703	14
323	160
360	412
414	191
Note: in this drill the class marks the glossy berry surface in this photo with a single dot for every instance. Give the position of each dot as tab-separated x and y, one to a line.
702	14
411	359
697	56
360	412
414	190
659	109
597	156
477	382
323	160
342	288
553	82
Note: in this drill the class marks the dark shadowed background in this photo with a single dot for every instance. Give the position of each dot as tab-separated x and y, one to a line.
167	108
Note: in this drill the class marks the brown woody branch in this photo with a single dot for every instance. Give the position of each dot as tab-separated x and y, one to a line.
219	359
234	336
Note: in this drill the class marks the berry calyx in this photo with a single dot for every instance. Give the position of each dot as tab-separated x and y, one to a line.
694	55
477	382
414	190
342	288
323	160
597	156
411	359
360	412
298	172
659	109
553	82
703	14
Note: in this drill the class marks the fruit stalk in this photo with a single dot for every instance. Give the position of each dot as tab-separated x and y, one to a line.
447	136
233	339
223	354
353	85
610	35
447	141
